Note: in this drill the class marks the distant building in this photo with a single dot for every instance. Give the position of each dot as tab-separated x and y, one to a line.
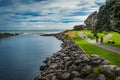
91	20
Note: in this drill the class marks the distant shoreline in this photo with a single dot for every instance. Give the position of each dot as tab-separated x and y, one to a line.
4	35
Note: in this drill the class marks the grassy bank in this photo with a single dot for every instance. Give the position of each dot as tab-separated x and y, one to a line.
115	37
92	49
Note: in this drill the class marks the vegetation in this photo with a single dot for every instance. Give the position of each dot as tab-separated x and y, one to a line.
70	34
108	17
92	49
96	70
115	37
78	27
90	34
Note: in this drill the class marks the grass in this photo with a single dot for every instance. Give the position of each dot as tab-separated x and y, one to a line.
70	34
92	49
96	70
91	35
116	38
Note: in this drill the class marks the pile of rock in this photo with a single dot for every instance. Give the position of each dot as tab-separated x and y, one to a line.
3	35
71	63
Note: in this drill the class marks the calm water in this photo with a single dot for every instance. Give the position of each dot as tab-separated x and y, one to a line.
21	56
33	31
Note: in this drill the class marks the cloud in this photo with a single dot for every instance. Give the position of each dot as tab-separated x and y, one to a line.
45	14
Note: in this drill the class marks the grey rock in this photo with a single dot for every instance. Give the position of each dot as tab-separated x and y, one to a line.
91	76
101	77
63	55
84	58
55	66
96	62
118	78
75	74
65	76
105	62
66	58
53	77
95	57
117	71
50	76
108	70
68	64
72	68
42	67
86	70
47	59
77	62
77	78
94	76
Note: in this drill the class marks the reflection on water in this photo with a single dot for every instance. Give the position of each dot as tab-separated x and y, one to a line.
21	56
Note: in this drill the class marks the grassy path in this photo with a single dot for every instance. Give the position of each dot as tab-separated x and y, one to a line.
92	49
104	46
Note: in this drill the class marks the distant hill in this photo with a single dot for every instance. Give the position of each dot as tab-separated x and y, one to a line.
107	18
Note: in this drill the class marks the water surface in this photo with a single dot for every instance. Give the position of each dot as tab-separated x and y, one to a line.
21	56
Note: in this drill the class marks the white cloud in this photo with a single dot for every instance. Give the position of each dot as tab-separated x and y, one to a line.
54	10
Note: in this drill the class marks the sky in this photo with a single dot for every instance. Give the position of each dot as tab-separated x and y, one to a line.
45	14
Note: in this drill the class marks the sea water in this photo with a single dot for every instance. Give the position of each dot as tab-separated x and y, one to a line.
22	55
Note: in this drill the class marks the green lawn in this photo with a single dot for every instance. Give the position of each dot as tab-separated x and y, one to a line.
92	49
116	38
90	35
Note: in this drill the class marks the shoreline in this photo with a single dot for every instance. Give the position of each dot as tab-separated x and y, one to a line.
5	35
72	63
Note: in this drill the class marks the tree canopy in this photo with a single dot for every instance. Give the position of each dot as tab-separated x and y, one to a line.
108	17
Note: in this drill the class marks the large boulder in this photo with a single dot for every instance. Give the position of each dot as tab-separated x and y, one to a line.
87	69
94	76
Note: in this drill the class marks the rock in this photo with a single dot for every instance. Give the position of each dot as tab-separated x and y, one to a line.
94	76
108	70
77	78
77	62
96	62
65	76
91	76
50	76
66	58
118	78
71	63
63	55
42	78
72	68
117	71
47	59
75	74
105	62
55	66
84	58
42	67
68	64
53	78
95	57
86	70
101	77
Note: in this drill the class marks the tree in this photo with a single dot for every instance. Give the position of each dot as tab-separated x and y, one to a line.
78	27
108	17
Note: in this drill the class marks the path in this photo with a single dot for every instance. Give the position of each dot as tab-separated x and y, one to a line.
110	48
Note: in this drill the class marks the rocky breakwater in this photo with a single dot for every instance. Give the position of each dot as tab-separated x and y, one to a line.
3	35
71	63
